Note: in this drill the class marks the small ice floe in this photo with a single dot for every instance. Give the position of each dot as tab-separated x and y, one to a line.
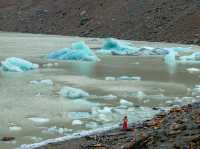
109	97
46	82
15	128
78	115
78	51
91	125
39	120
77	122
110	78
36	139
73	93
14	64
125	103
178	102
57	130
129	78
193	70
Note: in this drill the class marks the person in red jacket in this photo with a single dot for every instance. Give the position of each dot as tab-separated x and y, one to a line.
125	123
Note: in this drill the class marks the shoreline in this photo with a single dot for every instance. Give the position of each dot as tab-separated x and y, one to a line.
177	128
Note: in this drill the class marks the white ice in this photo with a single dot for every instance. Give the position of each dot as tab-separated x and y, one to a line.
73	93
18	65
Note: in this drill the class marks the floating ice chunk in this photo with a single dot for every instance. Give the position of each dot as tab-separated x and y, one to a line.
15	128
46	82
109	97
78	51
115	46
125	103
110	78
193	70
73	93
91	125
57	130
77	122
78	115
39	119
129	78
18	65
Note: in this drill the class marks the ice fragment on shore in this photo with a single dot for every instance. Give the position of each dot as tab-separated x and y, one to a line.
73	93
78	51
18	65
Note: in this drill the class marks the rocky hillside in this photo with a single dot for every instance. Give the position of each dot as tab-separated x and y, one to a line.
152	20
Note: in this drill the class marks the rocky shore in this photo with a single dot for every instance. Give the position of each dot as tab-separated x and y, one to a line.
178	129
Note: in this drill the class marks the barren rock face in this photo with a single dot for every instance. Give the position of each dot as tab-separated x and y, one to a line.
161	20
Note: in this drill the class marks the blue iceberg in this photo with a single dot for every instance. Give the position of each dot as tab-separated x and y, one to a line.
78	51
18	65
117	47
170	61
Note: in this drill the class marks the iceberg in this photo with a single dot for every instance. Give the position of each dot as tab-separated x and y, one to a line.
73	93
117	47
78	51
18	65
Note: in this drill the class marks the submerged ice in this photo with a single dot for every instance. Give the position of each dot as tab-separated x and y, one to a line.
18	65
78	51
